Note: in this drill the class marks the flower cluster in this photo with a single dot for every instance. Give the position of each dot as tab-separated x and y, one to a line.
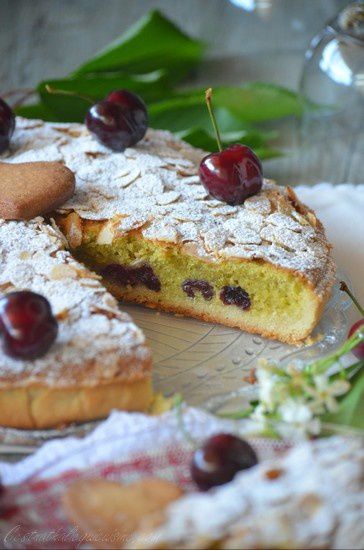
292	399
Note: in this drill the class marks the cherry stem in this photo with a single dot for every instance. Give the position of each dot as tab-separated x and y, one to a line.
344	287
69	93
208	98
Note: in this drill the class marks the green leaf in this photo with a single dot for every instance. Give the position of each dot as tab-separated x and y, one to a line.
202	139
351	409
37	110
266	153
237	415
154	42
250	103
257	102
150	87
322	365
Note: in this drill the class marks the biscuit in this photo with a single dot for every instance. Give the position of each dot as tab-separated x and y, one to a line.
109	513
32	189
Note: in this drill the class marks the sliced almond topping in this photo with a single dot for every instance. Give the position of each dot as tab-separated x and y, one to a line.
107	234
312	219
73	229
69	131
127	176
94	154
168	197
63	271
274	473
63	315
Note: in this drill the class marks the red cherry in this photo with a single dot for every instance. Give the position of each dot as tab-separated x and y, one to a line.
359	350
119	121
128	100
7	125
220	458
232	175
27	325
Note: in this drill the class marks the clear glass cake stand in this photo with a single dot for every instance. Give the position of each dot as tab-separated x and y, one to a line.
208	364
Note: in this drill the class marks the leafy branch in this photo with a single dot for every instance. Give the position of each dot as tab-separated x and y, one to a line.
151	59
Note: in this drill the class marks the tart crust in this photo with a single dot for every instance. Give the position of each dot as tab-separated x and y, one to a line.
100	360
39	407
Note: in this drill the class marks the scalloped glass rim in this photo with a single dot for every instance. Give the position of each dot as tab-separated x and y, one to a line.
206	363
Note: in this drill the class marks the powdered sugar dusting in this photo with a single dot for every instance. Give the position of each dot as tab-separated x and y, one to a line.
311	498
93	333
155	187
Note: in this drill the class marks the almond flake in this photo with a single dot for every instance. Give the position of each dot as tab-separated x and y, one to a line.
260	203
168	197
161	232
123	179
107	234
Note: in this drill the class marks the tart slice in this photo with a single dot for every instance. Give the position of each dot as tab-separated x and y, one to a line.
310	498
99	360
145	223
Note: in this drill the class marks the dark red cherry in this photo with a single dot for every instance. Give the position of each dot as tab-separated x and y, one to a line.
232	175
119	121
128	100
128	275
235	296
27	325
359	350
192	286
7	125
220	458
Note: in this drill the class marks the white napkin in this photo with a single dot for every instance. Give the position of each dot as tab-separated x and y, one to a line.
121	436
341	209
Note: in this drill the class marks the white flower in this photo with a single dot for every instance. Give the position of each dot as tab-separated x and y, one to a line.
295	411
267	386
324	393
296	419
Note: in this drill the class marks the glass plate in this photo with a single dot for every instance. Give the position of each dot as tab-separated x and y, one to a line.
207	363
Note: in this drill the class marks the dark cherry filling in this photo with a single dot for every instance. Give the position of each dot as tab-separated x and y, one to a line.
235	296
133	276
191	286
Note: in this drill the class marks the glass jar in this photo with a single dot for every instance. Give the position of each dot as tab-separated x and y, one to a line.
332	92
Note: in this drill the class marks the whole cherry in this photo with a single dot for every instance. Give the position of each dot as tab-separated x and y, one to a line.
220	458
27	325
7	125
232	174
119	121
358	351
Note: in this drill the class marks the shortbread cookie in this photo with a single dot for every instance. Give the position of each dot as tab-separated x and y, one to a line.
99	361
143	220
108	513
31	189
311	498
